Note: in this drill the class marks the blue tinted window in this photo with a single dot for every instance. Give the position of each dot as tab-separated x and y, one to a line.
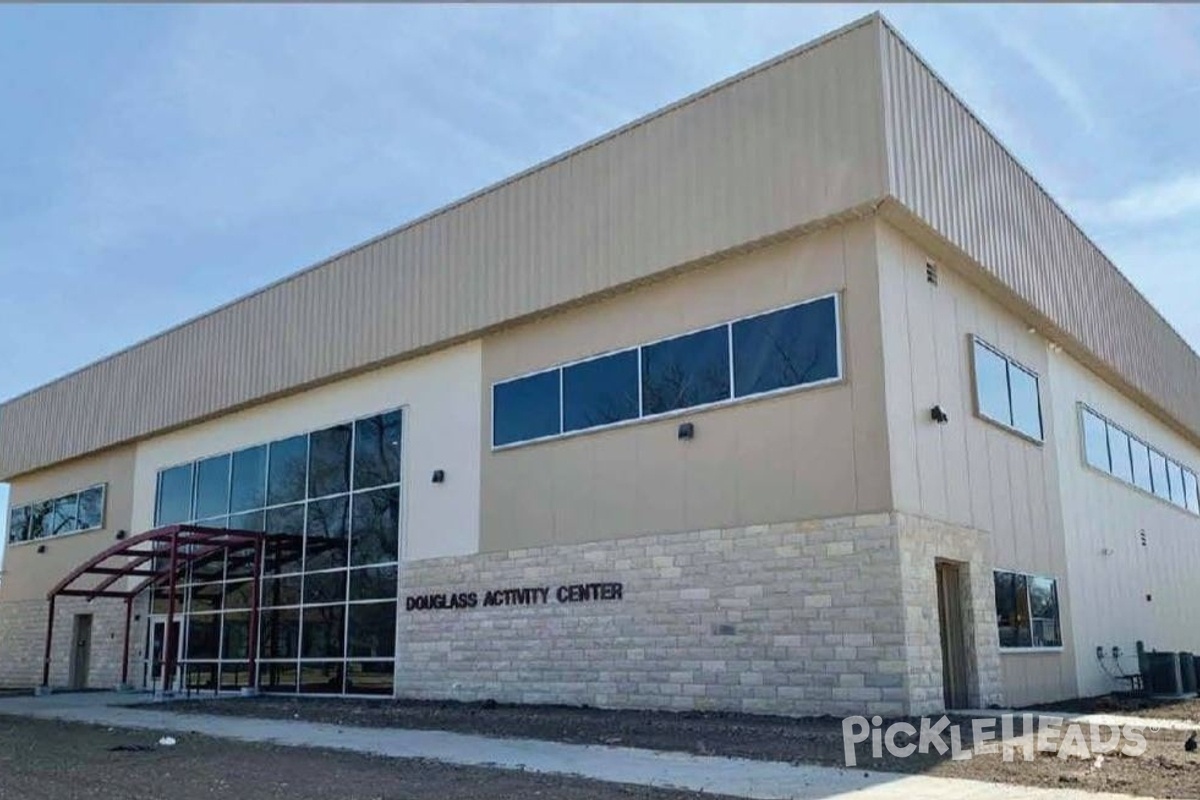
601	391
287	471
212	487
791	347
686	371
527	408
329	461
377	450
174	495
249	486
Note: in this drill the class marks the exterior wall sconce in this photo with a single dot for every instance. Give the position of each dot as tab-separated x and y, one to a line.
938	415
687	431
41	548
121	535
439	476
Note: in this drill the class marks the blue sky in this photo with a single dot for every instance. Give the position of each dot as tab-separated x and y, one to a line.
156	161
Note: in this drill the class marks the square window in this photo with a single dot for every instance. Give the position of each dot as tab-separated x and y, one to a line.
372	630
64	518
526	408
322	631
601	391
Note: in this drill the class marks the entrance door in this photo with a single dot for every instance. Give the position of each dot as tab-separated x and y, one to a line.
156	654
950	623
81	651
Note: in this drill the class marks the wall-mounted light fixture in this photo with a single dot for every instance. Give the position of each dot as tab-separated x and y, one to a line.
41	548
121	534
938	415
687	430
439	476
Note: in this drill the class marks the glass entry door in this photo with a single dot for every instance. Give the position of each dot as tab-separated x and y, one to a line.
156	654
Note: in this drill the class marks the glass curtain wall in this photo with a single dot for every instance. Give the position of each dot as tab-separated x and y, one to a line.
329	501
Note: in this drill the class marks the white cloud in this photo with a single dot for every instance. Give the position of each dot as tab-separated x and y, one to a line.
1153	202
1013	36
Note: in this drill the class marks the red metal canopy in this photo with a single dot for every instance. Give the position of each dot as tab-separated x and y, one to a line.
158	557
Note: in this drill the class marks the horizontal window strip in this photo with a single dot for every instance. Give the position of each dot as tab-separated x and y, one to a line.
75	512
1113	450
799	345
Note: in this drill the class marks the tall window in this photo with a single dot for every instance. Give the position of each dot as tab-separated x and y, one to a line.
1027	611
1113	450
329	501
1006	392
795	346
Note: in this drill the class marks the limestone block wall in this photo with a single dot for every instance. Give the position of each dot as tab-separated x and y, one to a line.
22	642
800	618
923	542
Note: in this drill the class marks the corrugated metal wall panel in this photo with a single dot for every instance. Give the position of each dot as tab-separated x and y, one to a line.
697	179
947	169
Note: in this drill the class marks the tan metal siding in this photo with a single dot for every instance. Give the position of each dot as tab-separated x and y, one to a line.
768	151
947	169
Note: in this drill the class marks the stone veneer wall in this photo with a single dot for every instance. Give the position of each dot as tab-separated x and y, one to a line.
922	543
23	639
800	618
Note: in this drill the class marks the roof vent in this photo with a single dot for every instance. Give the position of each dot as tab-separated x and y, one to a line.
931	273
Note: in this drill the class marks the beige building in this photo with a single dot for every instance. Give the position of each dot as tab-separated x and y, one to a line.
797	396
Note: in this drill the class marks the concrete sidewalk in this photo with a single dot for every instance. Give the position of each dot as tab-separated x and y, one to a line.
731	776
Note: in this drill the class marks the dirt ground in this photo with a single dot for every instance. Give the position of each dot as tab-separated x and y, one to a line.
45	760
1183	710
1166	770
